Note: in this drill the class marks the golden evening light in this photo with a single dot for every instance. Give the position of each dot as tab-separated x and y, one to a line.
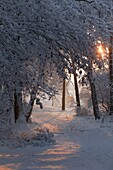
100	49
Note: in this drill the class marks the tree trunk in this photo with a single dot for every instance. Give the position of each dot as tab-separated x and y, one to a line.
76	89
111	76
63	95
18	105
31	104
93	95
75	84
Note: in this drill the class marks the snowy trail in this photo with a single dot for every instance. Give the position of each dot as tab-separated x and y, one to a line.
81	144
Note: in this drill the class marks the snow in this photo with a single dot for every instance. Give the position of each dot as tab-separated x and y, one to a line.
81	143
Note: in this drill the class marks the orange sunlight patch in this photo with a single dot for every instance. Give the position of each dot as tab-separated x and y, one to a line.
56	167
9	166
63	149
59	158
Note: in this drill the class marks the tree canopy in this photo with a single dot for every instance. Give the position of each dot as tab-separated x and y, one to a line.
33	32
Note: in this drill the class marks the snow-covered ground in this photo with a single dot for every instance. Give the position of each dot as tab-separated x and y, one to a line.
81	144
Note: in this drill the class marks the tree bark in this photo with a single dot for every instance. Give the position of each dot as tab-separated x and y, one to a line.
63	95
76	89
31	104
76	84
111	76
93	95
18	105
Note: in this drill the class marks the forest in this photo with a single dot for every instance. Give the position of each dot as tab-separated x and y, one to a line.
48	48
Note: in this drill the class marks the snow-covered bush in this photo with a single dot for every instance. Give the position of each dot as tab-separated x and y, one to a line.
37	138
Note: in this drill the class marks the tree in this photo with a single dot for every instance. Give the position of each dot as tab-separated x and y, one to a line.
111	75
76	89
33	31
93	94
63	94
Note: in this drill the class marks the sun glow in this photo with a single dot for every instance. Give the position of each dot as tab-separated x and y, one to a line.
107	50
100	49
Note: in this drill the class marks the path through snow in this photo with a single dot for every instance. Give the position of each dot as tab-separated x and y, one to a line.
81	144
